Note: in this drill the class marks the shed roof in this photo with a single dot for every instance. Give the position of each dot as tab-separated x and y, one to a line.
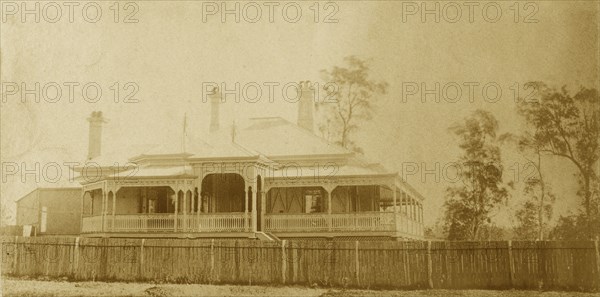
57	188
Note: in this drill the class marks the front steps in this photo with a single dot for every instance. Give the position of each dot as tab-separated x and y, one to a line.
266	236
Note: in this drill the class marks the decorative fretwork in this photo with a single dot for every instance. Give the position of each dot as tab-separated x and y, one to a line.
107	186
329	183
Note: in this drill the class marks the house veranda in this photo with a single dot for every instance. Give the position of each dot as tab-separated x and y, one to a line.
247	201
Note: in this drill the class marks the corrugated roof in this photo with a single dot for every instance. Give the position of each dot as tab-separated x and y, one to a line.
155	172
275	136
121	154
270	137
217	145
326	170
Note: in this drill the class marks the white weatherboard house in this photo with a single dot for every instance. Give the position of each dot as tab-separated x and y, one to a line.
268	179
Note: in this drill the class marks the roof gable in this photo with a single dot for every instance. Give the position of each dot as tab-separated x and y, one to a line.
275	136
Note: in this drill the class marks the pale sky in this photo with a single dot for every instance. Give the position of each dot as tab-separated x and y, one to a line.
170	52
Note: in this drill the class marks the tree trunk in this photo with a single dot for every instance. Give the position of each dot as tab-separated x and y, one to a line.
542	196
588	207
541	215
344	137
475	229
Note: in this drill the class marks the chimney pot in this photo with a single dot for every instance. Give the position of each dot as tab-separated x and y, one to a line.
215	101
305	106
95	134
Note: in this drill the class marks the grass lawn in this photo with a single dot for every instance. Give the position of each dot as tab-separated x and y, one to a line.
22	287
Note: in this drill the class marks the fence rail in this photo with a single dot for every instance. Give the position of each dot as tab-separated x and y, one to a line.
385	264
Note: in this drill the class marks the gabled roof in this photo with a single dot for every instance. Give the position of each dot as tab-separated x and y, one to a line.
270	137
121	155
361	160
277	137
216	146
267	136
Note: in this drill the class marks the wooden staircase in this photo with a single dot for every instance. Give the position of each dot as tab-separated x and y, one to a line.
267	236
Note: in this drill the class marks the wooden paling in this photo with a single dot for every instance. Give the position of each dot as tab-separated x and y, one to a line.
569	265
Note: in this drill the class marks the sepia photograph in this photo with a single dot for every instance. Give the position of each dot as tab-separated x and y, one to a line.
300	148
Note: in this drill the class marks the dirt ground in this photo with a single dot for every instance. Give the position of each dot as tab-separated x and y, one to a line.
20	287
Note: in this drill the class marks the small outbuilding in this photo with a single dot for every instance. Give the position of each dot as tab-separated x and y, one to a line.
51	211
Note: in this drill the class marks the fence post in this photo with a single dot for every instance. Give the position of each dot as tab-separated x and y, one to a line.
212	259
141	273
511	267
357	263
429	266
597	259
75	257
283	262
295	262
16	260
104	252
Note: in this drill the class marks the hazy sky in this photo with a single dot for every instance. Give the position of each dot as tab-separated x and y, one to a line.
171	51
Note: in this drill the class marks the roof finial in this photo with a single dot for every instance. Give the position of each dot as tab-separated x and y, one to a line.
184	134
215	101
233	131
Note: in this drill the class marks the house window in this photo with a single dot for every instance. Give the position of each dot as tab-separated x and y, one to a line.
312	200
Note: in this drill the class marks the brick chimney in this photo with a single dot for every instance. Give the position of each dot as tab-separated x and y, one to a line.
305	106
215	101
95	137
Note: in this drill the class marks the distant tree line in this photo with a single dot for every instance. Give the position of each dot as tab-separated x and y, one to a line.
558	125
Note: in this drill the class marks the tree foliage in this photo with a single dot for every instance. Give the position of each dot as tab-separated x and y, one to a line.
351	95
568	126
529	226
575	227
469	205
537	191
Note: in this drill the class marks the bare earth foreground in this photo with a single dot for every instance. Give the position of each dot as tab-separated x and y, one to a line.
20	287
